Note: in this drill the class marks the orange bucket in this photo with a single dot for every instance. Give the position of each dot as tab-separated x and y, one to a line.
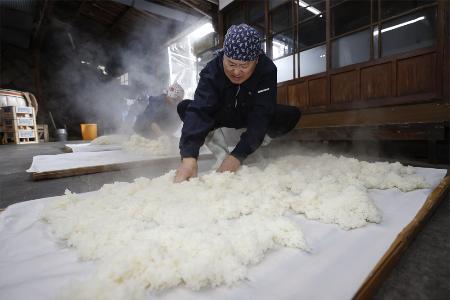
88	131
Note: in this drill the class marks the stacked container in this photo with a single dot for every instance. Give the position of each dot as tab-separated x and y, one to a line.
19	125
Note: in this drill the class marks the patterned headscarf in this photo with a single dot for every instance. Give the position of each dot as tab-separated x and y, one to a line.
242	42
175	91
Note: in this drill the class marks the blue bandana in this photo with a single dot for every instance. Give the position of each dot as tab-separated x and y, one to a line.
242	42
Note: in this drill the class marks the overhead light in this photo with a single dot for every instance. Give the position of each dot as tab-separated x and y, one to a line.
313	10
399	25
309	8
201	31
302	3
103	69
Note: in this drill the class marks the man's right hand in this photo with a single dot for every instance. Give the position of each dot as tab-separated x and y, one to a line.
186	170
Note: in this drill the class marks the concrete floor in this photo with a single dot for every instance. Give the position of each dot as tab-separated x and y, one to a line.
16	185
422	273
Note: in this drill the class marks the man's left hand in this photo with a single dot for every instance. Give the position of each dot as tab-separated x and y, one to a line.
230	164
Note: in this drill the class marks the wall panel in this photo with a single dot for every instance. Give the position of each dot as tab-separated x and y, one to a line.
298	94
317	89
292	95
345	86
416	74
376	81
282	94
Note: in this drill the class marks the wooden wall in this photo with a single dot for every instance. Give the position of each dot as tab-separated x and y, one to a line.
408	88
402	79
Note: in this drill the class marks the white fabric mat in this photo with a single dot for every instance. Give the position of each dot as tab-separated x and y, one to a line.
66	161
33	265
88	147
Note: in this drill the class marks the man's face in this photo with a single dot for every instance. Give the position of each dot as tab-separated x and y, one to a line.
238	71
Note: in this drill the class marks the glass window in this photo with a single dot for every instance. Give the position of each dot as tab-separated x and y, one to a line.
351	49
391	8
312	32
276	3
409	32
281	18
233	17
308	8
124	79
256	16
285	70
255	10
259	28
182	66
336	2
313	61
282	44
203	59
350	15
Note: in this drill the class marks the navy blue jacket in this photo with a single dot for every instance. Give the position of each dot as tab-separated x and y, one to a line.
220	103
157	111
157	108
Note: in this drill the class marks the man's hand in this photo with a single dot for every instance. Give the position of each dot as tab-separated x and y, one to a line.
230	163
186	170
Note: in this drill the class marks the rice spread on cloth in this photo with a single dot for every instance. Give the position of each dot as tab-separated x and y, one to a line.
137	144
110	139
153	234
163	145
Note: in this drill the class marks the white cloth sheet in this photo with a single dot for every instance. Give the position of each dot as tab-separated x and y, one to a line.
67	161
88	147
33	265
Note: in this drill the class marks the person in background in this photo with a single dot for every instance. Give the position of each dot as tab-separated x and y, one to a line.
133	108
237	89
159	116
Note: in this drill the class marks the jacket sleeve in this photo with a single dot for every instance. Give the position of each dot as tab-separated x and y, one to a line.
198	121
259	118
151	111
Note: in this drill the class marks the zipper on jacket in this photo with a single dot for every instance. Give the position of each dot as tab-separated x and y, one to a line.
236	96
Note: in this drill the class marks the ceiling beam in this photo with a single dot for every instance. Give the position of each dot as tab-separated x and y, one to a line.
160	10
37	31
196	8
83	2
117	20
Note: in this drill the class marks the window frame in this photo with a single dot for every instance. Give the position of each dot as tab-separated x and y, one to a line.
375	22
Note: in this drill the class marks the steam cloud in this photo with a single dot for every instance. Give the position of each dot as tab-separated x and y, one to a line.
81	92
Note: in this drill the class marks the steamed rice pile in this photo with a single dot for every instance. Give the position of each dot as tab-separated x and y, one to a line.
137	144
154	234
109	139
163	145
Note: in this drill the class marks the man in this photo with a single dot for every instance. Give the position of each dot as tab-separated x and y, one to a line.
159	116
237	89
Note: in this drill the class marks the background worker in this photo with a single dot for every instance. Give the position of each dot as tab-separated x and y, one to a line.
159	116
